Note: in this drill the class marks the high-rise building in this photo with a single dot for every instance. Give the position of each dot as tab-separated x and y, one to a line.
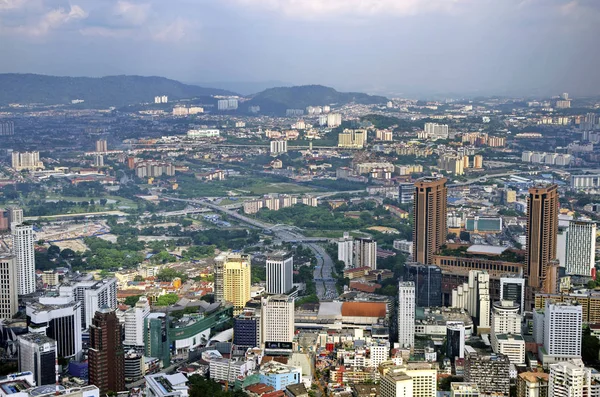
134	324
542	229
464	389
4	225
513	289
58	318
365	252
506	331
101	146
406	193
491	373
562	331
395	384
106	357
581	248
246	328
156	338
277	315
280	269
532	384
9	299
37	354
26	161
428	283
455	340
15	215
478	161
571	379
406	313
474	297
436	131
233	279
422	375
7	128
22	240
430	217
346	250
93	295
278	147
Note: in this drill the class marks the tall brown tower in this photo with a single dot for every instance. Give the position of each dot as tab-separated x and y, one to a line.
542	231
430	218
106	356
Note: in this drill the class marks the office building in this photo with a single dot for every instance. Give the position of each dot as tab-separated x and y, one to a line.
346	250
246	328
92	294
395	384
542	229
163	385
455	340
581	248
106	357
233	279
406	193
532	384
406	313
101	146
365	252
430	218
464	389
156	338
22	240
59	318
562	331
280	269
26	161
9	299
506	331
491	373
37	354
423	376
572	379
277	316
15	215
134	324
7	128
278	147
513	289
428	283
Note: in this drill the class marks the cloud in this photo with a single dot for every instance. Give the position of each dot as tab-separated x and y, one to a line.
11	4
135	14
44	23
174	31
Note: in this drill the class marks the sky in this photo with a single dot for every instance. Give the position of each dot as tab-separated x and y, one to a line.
412	47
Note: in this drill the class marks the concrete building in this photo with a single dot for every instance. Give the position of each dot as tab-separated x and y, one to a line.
452	163
106	357
464	389
346	250
430	218
581	248
542	231
93	295
278	375
406	313
9	297
474	297
278	147
490	373
163	385
26	161
423	377
436	131
247	328
101	146
585	182
478	161
562	332
280	268
22	240
572	379
277	319
334	120
506	331
365	252
395	384
37	354
134	324
233	279
532	384
513	289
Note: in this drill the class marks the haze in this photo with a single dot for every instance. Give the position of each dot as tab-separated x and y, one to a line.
394	47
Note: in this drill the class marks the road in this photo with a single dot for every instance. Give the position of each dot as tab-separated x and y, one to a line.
324	282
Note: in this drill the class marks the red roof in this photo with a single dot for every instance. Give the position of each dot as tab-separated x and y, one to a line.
364	309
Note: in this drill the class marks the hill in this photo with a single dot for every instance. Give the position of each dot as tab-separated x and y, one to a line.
277	100
102	91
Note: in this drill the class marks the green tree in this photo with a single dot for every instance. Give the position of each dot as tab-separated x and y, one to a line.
132	300
167	300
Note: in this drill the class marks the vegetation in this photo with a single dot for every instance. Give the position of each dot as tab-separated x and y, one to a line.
132	300
205	387
167	300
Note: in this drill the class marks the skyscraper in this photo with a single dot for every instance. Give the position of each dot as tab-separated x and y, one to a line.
365	252
37	353
562	331
277	319
581	248
106	356
406	313
430	217
246	328
280	269
542	229
513	289
134	324
346	250
428	283
101	146
22	240
9	304
571	378
233	279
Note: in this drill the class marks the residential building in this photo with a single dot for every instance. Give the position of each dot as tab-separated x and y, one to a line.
436	131
7	128
395	384
106	357
233	279
581	248
277	319
278	147
542	231
365	252
430	217
572	379
15	216
532	384
280	268
406	313
334	120
464	389
474	297
134	324
37	354
26	161
163	385
9	297
346	250
478	161
452	163
428	283
491	373
101	146
22	240
224	369
278	375
422	374
585	182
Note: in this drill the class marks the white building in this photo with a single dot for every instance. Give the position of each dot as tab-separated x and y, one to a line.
395	384
512	346
134	323
334	120
365	252
223	369
277	319
93	295
204	133
585	181
37	354
26	161
406	313
280	269
22	240
278	147
9	298
571	379
513	289
404	246
163	385
464	389
436	131
474	297
562	332
581	248
346	250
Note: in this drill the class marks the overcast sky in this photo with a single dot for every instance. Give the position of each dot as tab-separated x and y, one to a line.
390	46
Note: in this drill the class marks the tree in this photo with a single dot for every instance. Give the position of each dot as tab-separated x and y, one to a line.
53	250
67	253
138	278
590	347
167	300
132	300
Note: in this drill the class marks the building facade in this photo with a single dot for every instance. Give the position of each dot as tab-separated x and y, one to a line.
37	353
280	268
581	248
430	218
406	313
23	239
9	298
277	314
106	357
